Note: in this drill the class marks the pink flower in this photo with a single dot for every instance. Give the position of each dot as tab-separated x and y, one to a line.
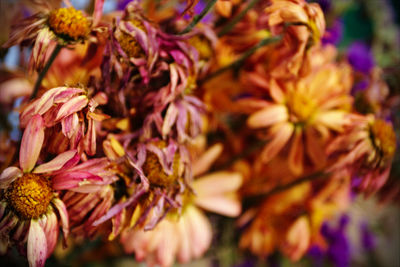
187	234
30	205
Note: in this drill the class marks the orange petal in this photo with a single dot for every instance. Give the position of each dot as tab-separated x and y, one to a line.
268	116
296	153
281	134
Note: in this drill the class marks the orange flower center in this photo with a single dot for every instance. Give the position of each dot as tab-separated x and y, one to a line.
129	43
69	23
383	137
29	195
154	171
301	107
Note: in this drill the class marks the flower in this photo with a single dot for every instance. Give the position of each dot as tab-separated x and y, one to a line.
367	149
186	235
300	113
30	202
65	25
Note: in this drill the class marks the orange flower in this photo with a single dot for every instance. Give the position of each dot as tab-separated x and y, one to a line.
303	112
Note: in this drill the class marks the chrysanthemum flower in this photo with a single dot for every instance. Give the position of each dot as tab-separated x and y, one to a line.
30	206
303	112
187	234
367	149
64	25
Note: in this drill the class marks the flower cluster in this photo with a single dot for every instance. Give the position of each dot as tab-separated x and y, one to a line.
136	123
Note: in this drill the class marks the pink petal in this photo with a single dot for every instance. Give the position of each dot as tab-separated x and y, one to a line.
46	101
200	231
90	138
70	125
62	212
75	104
73	179
169	120
268	116
56	163
49	224
31	144
184	249
37	245
98	11
40	48
228	205
8	176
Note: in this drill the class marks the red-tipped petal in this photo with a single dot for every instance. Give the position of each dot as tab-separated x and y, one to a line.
56	163
31	144
8	176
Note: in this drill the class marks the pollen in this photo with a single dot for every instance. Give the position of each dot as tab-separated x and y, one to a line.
154	171
384	138
129	43
29	195
202	45
301	107
69	23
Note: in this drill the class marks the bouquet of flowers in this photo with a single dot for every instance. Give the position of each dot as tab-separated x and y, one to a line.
160	129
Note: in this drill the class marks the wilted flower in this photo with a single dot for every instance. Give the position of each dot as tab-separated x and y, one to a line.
30	198
366	148
186	235
64	25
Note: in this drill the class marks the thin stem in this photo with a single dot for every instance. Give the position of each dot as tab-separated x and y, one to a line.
46	68
228	27
199	17
311	177
244	56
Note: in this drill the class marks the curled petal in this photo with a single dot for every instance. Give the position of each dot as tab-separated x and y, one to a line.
8	176
75	104
296	153
62	212
56	163
31	144
40	48
37	245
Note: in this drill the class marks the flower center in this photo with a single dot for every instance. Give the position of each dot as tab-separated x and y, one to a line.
154	171
29	195
300	107
129	43
69	23
383	138
202	46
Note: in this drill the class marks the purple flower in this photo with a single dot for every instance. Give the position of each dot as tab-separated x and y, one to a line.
367	238
360	57
338	251
333	34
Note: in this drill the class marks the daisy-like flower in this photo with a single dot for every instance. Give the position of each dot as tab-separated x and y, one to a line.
64	25
303	113
367	149
187	234
31	210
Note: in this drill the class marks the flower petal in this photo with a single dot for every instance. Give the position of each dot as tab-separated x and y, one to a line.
8	176
204	163
56	163
74	179
296	153
268	116
280	136
37	245
31	144
75	104
62	212
217	183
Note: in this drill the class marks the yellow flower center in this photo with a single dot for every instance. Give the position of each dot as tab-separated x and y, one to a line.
29	195
202	45
129	43
301	107
154	171
383	138
69	23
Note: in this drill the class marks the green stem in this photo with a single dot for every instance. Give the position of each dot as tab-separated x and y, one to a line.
244	56
46	68
228	27
199	17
